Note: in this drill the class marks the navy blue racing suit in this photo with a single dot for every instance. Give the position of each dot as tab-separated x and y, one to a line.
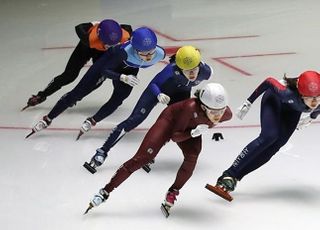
169	81
118	60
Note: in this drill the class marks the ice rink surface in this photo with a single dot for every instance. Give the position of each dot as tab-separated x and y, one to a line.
42	182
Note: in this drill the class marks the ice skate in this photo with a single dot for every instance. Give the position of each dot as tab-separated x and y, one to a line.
86	126
146	167
42	124
225	184
220	191
97	199
96	161
168	203
33	101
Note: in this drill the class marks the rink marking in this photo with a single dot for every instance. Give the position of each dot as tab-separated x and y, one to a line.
137	129
222	60
201	39
109	129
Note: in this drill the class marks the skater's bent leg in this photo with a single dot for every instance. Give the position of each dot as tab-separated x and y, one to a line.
191	150
132	165
120	92
121	175
84	87
270	133
287	128
79	57
155	138
116	135
139	114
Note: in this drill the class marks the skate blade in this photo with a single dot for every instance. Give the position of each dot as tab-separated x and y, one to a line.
32	132
165	210
27	106
146	168
89	168
79	135
220	192
88	209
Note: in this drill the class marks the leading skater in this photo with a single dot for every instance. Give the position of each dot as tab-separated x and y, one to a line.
281	107
183	122
120	64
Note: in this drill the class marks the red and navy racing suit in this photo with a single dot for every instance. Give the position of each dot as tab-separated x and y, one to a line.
281	108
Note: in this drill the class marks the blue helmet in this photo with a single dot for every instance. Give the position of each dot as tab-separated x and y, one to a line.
143	39
109	32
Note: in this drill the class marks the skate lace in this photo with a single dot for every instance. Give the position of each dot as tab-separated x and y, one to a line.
228	183
171	197
87	125
99	159
100	156
97	200
40	125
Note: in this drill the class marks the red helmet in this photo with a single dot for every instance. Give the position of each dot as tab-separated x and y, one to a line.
309	84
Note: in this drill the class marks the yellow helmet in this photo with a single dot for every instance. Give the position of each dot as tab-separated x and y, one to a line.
187	57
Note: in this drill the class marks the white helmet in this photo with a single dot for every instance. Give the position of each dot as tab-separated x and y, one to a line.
214	96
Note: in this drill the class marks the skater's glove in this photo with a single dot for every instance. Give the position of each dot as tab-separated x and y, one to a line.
199	130
163	98
305	121
129	79
242	110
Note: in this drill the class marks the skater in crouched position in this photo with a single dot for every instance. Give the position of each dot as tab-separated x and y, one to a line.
183	122
121	64
281	107
172	84
95	39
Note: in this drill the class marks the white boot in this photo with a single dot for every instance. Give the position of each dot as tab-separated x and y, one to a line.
87	124
42	124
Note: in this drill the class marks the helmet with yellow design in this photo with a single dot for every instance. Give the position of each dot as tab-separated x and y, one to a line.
188	57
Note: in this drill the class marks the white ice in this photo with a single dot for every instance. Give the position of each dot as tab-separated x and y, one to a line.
42	182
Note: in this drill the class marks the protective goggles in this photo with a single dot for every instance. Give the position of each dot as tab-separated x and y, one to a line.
147	53
309	99
215	112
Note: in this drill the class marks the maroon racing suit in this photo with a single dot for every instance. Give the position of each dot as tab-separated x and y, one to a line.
175	123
